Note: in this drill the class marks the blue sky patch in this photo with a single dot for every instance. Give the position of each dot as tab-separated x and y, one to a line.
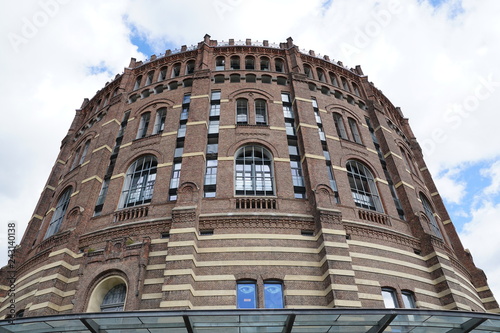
475	183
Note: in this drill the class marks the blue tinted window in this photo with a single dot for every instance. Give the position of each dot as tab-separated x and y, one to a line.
273	295
246	295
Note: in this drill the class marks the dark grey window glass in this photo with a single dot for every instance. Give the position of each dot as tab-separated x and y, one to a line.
339	125
354	130
60	211
161	114
260	112
241	111
114	300
429	212
143	125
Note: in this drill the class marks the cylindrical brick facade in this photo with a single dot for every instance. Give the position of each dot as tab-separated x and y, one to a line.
226	175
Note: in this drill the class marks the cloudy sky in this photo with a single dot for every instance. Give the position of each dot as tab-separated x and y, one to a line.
436	59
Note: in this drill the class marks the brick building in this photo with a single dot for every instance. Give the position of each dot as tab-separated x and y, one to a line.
241	175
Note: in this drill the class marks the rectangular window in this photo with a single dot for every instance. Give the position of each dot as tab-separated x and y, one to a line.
287	111
273	295
176	175
186	99
285	98
182	131
214	110
297	178
246	295
211	172
213	127
215	95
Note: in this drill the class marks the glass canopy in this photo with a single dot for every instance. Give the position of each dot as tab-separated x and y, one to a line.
261	321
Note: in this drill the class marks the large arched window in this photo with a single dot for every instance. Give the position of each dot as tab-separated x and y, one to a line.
429	212
60	211
139	182
363	188
108	295
114	300
253	171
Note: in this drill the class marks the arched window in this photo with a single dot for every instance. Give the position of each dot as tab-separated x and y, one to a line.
321	75
149	78
333	79
114	300
429	212
356	89
60	211
234	78
253	171
264	64
345	85
220	63
219	78
250	78
260	112
161	115
266	78
108	295
278	65
390	298
363	188
84	152
249	62
143	125
190	67
138	82
354	130
163	74
235	62
339	125
176	70
241	111
308	71
139	182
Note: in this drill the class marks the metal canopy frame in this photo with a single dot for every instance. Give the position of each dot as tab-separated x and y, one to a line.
261	321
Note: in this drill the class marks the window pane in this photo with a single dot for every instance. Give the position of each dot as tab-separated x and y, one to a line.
246	296
273	296
389	297
408	299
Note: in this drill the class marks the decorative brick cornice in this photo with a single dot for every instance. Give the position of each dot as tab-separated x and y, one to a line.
54	240
382	235
32	262
137	229
261	221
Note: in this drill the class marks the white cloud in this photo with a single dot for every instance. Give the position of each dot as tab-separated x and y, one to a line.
438	64
480	235
449	188
494	173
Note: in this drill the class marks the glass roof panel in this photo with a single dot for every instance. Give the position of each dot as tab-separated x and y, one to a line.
489	325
